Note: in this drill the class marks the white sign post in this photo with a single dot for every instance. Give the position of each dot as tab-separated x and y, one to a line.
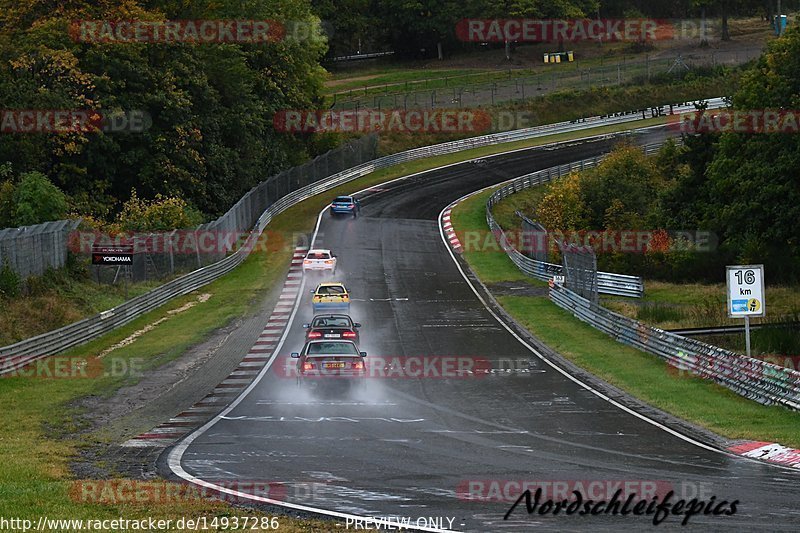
746	295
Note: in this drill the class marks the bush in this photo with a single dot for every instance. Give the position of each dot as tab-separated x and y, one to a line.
51	280
6	204
37	200
9	282
77	266
561	207
161	214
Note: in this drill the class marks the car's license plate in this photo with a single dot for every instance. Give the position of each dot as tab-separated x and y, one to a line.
332	335
334	365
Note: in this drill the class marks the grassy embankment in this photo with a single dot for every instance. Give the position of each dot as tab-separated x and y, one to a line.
643	375
39	432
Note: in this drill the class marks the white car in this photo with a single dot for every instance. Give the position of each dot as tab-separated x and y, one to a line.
319	260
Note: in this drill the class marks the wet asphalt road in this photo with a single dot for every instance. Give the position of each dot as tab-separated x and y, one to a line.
416	446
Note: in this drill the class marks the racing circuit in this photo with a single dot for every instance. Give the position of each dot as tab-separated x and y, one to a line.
414	447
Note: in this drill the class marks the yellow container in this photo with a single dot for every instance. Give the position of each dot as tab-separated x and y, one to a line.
570	57
558	58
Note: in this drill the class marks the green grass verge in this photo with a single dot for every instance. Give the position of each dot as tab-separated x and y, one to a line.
39	433
690	305
643	375
491	266
405	78
73	300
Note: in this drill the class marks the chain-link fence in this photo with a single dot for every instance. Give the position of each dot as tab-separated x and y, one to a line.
534	239
31	250
580	270
159	255
517	85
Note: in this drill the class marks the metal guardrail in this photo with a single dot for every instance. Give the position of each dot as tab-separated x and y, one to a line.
763	382
607	282
21	353
727	330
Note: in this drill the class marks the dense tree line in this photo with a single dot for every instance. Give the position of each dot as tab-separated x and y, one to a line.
208	107
746	186
417	28
742	187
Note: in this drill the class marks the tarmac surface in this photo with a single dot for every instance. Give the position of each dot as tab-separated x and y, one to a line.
474	413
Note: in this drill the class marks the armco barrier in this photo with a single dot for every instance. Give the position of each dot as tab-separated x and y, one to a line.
757	380
607	282
23	352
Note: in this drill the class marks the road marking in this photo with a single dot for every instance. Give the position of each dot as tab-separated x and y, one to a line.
277	402
322	419
490	326
478	432
174	458
560	370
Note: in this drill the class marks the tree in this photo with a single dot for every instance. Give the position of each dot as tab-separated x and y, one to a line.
753	178
160	214
210	138
6	204
621	189
37	200
561	207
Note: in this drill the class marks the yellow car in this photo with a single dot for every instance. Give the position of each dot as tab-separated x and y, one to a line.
330	295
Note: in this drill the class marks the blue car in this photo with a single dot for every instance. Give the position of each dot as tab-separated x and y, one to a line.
347	205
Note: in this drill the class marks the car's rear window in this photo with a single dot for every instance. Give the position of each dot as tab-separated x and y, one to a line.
343	200
331	323
334	289
331	348
319	255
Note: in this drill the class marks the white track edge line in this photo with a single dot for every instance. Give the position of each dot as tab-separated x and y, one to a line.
566	374
176	454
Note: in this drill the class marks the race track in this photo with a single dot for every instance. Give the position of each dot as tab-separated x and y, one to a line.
409	447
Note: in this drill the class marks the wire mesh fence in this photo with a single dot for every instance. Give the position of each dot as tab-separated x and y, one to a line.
162	254
517	85
580	270
31	250
534	239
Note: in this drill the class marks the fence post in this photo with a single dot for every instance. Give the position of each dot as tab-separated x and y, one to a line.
197	248
171	257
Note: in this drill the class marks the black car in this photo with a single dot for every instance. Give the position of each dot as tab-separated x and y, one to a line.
333	327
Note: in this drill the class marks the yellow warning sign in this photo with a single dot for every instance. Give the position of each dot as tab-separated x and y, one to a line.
753	305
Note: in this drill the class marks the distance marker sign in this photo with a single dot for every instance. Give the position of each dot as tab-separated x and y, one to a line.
745	290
